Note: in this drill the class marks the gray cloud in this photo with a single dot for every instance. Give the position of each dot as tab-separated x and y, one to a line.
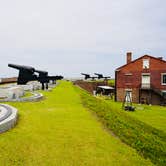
74	36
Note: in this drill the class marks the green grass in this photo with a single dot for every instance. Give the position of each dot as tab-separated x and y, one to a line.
111	82
147	140
60	131
152	115
27	94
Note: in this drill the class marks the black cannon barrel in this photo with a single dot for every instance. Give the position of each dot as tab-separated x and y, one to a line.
41	72
22	67
85	74
99	75
55	77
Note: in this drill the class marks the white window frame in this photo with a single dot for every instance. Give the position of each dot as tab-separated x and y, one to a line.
146	63
162	78
146	74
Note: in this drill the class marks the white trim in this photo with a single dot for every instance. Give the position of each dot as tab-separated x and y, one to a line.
162	78
146	74
128	74
128	90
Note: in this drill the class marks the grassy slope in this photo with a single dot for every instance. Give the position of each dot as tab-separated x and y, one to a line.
148	140
152	115
59	131
111	82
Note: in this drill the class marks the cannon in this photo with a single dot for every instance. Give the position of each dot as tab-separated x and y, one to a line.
54	78
43	78
28	73
87	76
101	76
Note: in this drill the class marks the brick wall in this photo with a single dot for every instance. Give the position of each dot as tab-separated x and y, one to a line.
90	86
8	80
130	77
122	92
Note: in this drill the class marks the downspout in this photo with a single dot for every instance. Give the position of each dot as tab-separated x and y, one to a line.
115	85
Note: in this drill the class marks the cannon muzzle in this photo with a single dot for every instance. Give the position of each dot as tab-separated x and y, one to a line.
21	67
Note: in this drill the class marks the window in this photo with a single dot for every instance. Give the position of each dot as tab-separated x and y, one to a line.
164	93
145	63
146	78
128	78
163	78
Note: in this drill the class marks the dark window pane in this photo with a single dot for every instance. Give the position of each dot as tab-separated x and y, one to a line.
164	79
164	94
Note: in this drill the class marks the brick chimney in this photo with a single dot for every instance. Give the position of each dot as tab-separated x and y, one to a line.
161	58
129	57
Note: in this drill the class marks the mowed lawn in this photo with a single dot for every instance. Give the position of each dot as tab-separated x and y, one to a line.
152	115
60	131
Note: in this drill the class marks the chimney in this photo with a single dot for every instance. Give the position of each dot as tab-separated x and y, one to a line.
161	58
129	57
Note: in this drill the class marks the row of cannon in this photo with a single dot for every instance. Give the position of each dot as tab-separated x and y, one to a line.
28	73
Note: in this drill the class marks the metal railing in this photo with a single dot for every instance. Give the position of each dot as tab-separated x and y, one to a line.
145	85
148	86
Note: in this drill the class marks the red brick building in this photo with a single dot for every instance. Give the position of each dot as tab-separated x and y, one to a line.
144	79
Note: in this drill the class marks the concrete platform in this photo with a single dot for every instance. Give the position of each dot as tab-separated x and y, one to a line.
8	117
35	97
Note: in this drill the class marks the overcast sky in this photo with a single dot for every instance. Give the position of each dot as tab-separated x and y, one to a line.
72	36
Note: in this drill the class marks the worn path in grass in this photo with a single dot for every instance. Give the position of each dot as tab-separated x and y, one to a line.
60	131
